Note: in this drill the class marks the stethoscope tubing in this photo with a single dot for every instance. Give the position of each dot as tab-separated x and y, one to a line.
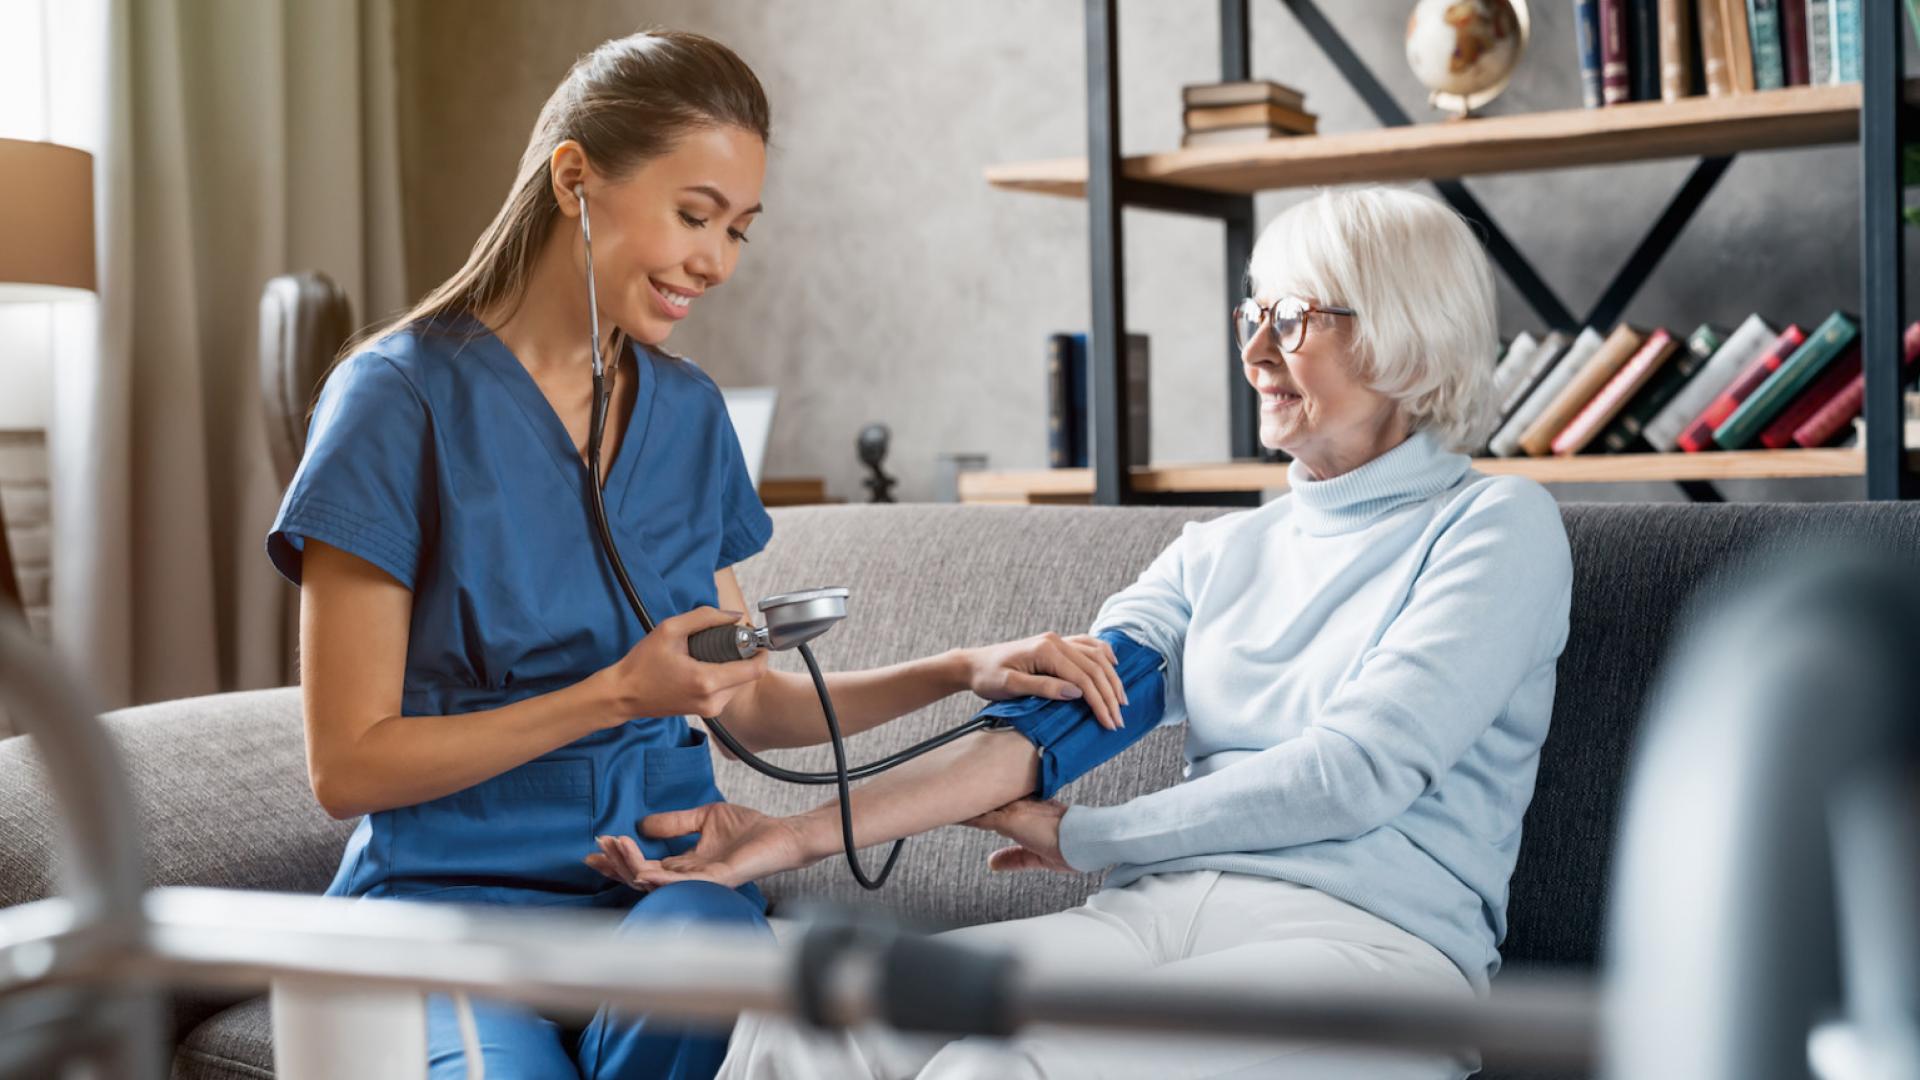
841	776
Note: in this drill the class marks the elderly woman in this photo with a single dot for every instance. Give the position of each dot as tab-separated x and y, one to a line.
1365	667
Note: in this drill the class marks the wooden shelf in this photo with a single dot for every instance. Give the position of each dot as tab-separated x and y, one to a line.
793	491
1641	131
1076	485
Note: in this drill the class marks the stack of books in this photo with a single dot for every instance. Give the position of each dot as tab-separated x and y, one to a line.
1642	391
1222	114
1662	50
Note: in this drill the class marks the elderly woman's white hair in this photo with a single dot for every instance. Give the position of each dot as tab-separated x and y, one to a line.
1424	335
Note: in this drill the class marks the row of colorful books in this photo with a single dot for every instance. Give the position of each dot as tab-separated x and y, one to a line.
1635	391
1229	113
1653	50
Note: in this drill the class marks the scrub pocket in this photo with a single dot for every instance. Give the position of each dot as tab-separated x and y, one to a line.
525	828
677	778
680	778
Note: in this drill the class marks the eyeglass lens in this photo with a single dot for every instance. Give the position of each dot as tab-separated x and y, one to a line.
1287	322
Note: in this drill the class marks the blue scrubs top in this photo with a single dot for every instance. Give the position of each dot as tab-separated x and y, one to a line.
434	456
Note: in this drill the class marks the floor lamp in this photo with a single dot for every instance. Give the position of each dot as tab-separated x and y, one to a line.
46	251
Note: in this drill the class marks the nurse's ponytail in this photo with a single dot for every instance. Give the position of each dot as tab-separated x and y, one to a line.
625	102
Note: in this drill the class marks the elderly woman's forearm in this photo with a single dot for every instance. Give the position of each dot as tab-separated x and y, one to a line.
962	780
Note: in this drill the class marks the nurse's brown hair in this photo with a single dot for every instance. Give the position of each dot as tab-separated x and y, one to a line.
625	102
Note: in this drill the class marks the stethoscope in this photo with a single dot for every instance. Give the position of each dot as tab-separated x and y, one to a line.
792	620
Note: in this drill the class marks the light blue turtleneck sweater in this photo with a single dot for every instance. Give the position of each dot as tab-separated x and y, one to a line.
1365	667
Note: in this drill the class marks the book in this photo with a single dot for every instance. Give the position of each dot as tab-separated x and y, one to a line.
1234	136
1763	23
1514	383
1846	40
1747	341
1699	434
1643	49
1697	85
1079	396
1733	23
1257	115
1793	375
1613	354
1676	61
1139	391
1713	49
1778	434
1059	405
1793	41
1550	349
1253	92
1592	418
1559	372
1615	87
1586	45
1519	353
1836	416
1819	42
1706	340
1625	433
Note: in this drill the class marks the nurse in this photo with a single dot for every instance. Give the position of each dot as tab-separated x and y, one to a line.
475	687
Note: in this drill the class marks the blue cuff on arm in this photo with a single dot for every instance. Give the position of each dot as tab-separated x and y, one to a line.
1071	742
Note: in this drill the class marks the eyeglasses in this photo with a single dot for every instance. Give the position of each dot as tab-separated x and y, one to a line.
1288	316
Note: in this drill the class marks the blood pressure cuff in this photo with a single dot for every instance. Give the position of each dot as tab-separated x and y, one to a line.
1071	742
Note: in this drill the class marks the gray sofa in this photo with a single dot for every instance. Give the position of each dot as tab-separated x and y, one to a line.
221	782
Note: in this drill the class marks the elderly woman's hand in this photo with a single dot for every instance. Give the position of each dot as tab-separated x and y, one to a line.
1051	666
1034	827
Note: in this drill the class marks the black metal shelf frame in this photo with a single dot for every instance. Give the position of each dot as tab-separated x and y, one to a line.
1883	121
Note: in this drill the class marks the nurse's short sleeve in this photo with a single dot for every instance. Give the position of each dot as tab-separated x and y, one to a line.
745	526
364	484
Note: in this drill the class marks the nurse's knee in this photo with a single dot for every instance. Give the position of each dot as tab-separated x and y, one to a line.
695	901
513	1041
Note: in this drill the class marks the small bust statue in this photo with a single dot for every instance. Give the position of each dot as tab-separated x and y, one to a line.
873	449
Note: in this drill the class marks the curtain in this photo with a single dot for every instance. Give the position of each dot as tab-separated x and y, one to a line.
234	140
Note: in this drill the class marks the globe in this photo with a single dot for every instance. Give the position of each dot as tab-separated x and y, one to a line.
1465	51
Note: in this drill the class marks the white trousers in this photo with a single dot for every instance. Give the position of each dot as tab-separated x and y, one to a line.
1199	928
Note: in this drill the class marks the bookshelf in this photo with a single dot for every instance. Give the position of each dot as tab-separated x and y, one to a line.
1642	131
1236	477
1219	183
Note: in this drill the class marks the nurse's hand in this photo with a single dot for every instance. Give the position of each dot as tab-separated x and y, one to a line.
1050	666
736	845
659	677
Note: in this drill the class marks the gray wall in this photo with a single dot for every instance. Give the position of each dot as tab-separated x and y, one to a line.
888	282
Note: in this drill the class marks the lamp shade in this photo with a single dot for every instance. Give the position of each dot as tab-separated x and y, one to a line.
46	221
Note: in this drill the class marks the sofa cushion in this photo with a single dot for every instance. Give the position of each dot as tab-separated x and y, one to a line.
1637	571
235	1045
220	788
